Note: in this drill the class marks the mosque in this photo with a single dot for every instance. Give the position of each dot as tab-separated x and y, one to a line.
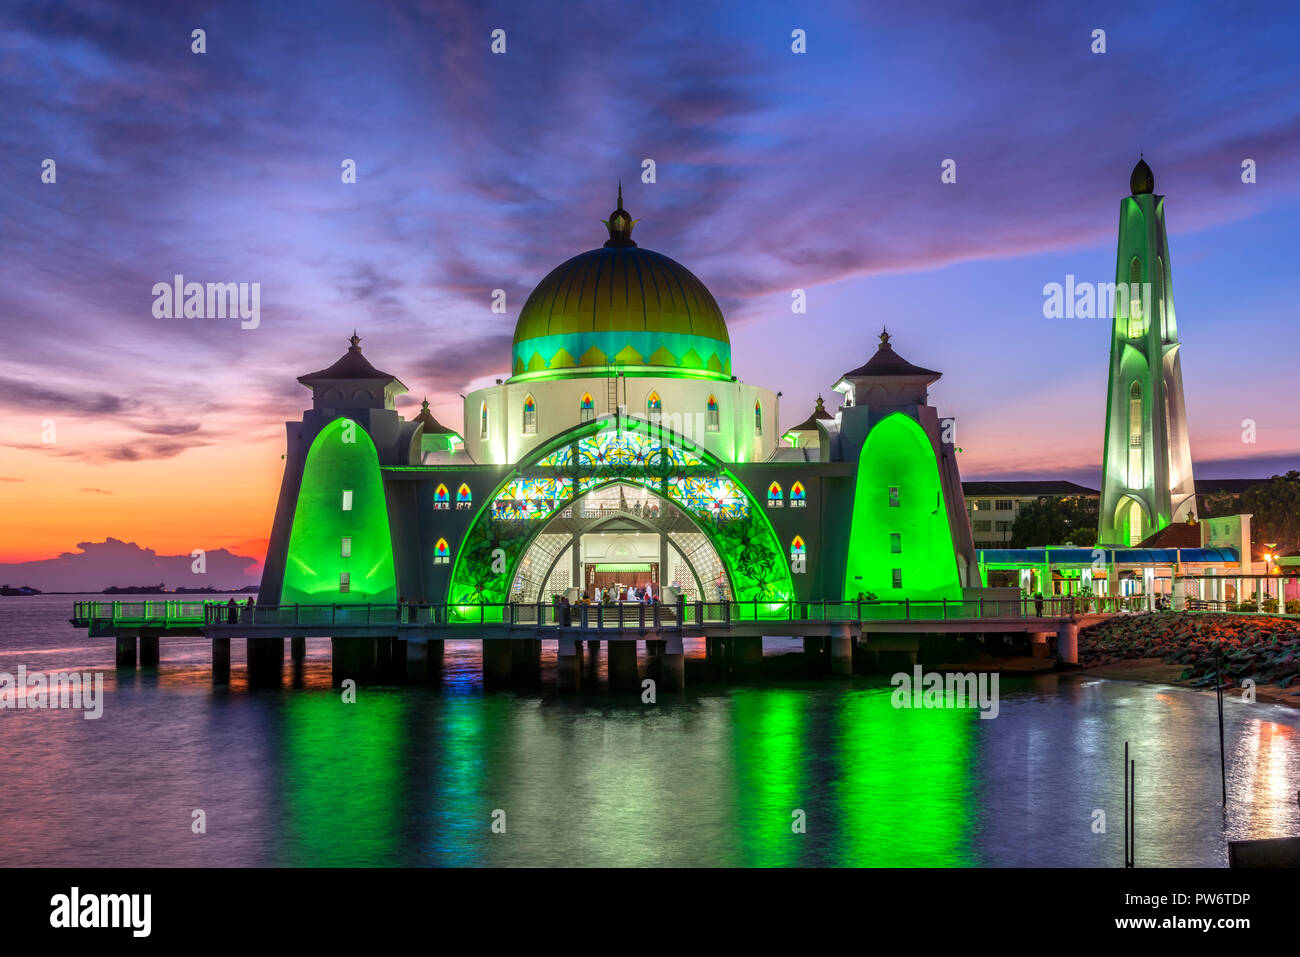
622	451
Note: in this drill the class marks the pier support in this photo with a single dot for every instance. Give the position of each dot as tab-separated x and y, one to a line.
148	651
593	649
526	659
126	650
568	664
417	662
842	650
1067	643
352	658
221	661
496	660
265	662
433	652
622	663
672	664
746	653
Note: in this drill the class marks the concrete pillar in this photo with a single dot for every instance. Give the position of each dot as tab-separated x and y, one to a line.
1038	647
496	660
841	642
148	651
354	658
568	665
622	663
434	649
417	662
265	662
653	648
526	658
221	661
593	649
748	653
1067	643
298	650
672	664
126	644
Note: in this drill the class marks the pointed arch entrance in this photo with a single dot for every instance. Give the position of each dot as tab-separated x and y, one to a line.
620	450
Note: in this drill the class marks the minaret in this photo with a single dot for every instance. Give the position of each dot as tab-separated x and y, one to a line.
1146	461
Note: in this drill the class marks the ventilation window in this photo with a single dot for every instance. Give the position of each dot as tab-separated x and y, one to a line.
347	500
893	496
345	583
895	543
346	550
898	578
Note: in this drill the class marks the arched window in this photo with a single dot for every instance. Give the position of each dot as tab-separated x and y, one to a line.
587	410
758	418
482	421
653	404
797	499
440	498
464	498
798	556
530	416
775	497
1135	478
1136	316
441	553
711	421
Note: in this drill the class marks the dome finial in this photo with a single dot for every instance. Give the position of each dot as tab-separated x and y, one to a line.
1141	180
620	223
884	338
355	342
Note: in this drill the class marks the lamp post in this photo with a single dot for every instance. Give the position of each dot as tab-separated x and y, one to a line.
1268	560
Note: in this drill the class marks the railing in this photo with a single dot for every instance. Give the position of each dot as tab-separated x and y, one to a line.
144	612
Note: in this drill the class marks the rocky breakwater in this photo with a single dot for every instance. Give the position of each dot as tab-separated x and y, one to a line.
1264	649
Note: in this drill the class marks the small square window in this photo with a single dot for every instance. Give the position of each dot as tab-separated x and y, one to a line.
898	578
893	496
345	582
347	500
347	548
895	542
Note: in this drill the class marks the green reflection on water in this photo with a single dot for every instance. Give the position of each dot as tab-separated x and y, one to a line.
770	729
904	787
343	780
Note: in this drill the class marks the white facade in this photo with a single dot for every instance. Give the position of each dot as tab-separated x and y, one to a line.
735	434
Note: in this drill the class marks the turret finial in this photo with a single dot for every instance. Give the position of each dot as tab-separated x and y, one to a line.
620	223
355	342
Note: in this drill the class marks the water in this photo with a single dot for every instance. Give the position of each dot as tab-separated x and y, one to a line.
413	776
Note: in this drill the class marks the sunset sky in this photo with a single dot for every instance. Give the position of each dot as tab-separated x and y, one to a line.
775	171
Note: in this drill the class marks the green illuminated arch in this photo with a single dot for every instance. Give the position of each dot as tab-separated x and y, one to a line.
601	453
898	455
342	458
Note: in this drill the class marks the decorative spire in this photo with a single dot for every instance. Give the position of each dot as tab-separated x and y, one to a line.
620	223
424	406
1141	180
884	339
356	342
821	405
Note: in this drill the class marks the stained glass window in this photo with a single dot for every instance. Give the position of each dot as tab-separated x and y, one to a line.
482	421
464	499
440	498
711	423
587	410
653	405
758	418
530	416
441	553
797	499
775	497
